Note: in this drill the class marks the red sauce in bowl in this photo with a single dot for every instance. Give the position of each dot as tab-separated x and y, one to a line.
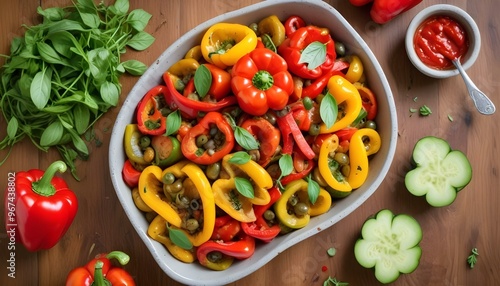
439	40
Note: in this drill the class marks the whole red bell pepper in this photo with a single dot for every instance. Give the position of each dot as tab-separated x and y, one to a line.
100	272
383	11
267	134
39	207
261	81
260	229
224	144
292	24
190	107
150	111
291	50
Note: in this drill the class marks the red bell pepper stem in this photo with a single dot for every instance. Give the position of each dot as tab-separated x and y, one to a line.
44	186
288	128
191	107
98	276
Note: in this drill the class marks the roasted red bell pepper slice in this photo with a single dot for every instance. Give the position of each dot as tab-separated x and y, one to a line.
220	86
39	207
309	166
189	107
100	272
150	117
302	116
369	101
266	134
291	50
130	174
346	133
242	248
292	24
260	229
226	228
261	81
319	84
190	149
291	133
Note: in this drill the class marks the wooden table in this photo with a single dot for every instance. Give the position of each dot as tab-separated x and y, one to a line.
449	233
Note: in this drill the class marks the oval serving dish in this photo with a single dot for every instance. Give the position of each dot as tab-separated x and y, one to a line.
313	12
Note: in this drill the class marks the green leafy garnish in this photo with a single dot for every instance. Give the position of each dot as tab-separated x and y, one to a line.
472	259
314	55
268	42
202	80
245	139
179	238
244	187
174	121
334	282
240	158
286	164
328	110
312	189
425	110
331	251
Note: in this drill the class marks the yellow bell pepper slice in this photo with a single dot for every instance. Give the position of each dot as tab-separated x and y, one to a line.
322	204
157	230
358	155
131	140
328	146
194	53
355	71
343	91
223	44
184	68
151	186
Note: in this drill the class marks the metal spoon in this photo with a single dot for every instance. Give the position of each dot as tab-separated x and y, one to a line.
483	104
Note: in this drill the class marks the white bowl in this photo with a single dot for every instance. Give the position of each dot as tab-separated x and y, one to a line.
459	15
318	13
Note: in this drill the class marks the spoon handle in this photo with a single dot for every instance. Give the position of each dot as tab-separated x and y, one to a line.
483	104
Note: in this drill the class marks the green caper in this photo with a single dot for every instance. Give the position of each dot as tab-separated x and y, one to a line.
340	49
301	209
144	142
168	178
341	158
345	170
371	124
200	140
213	171
314	129
192	224
293	200
308	103
269	215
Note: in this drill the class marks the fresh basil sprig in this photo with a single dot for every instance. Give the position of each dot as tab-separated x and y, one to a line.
202	80
328	110
244	187
314	55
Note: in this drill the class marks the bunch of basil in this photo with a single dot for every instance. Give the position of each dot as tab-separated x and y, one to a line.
63	74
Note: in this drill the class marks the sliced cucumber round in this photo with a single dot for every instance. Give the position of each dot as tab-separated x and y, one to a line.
440	172
390	245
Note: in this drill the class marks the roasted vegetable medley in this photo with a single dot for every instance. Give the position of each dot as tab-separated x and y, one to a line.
257	129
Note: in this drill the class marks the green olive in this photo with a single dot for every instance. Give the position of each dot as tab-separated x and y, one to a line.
316	176
181	201
214	256
340	49
269	215
341	158
345	170
200	140
271	117
308	103
293	200
175	187
314	129
168	178
213	171
149	154
192	224
144	142
371	124
301	209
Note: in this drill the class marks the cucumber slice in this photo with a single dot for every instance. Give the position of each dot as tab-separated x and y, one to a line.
440	172
390	244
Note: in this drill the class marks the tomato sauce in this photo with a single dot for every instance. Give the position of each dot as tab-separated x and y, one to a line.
439	40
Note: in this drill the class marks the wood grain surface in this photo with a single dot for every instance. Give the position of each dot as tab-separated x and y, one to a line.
449	233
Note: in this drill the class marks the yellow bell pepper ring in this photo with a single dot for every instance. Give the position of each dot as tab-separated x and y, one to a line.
328	146
295	192
223	44
184	68
272	26
131	143
343	91
355	71
232	202
322	204
157	230
358	155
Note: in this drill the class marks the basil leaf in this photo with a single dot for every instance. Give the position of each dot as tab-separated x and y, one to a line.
48	54
174	121
268	42
245	139
121	7
244	187
141	41
12	127
240	158
202	80
110	93
40	88
78	143
328	110
82	118
314	55
51	14
179	238
52	134
91	20
312	190
61	42
134	67
138	19
286	164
